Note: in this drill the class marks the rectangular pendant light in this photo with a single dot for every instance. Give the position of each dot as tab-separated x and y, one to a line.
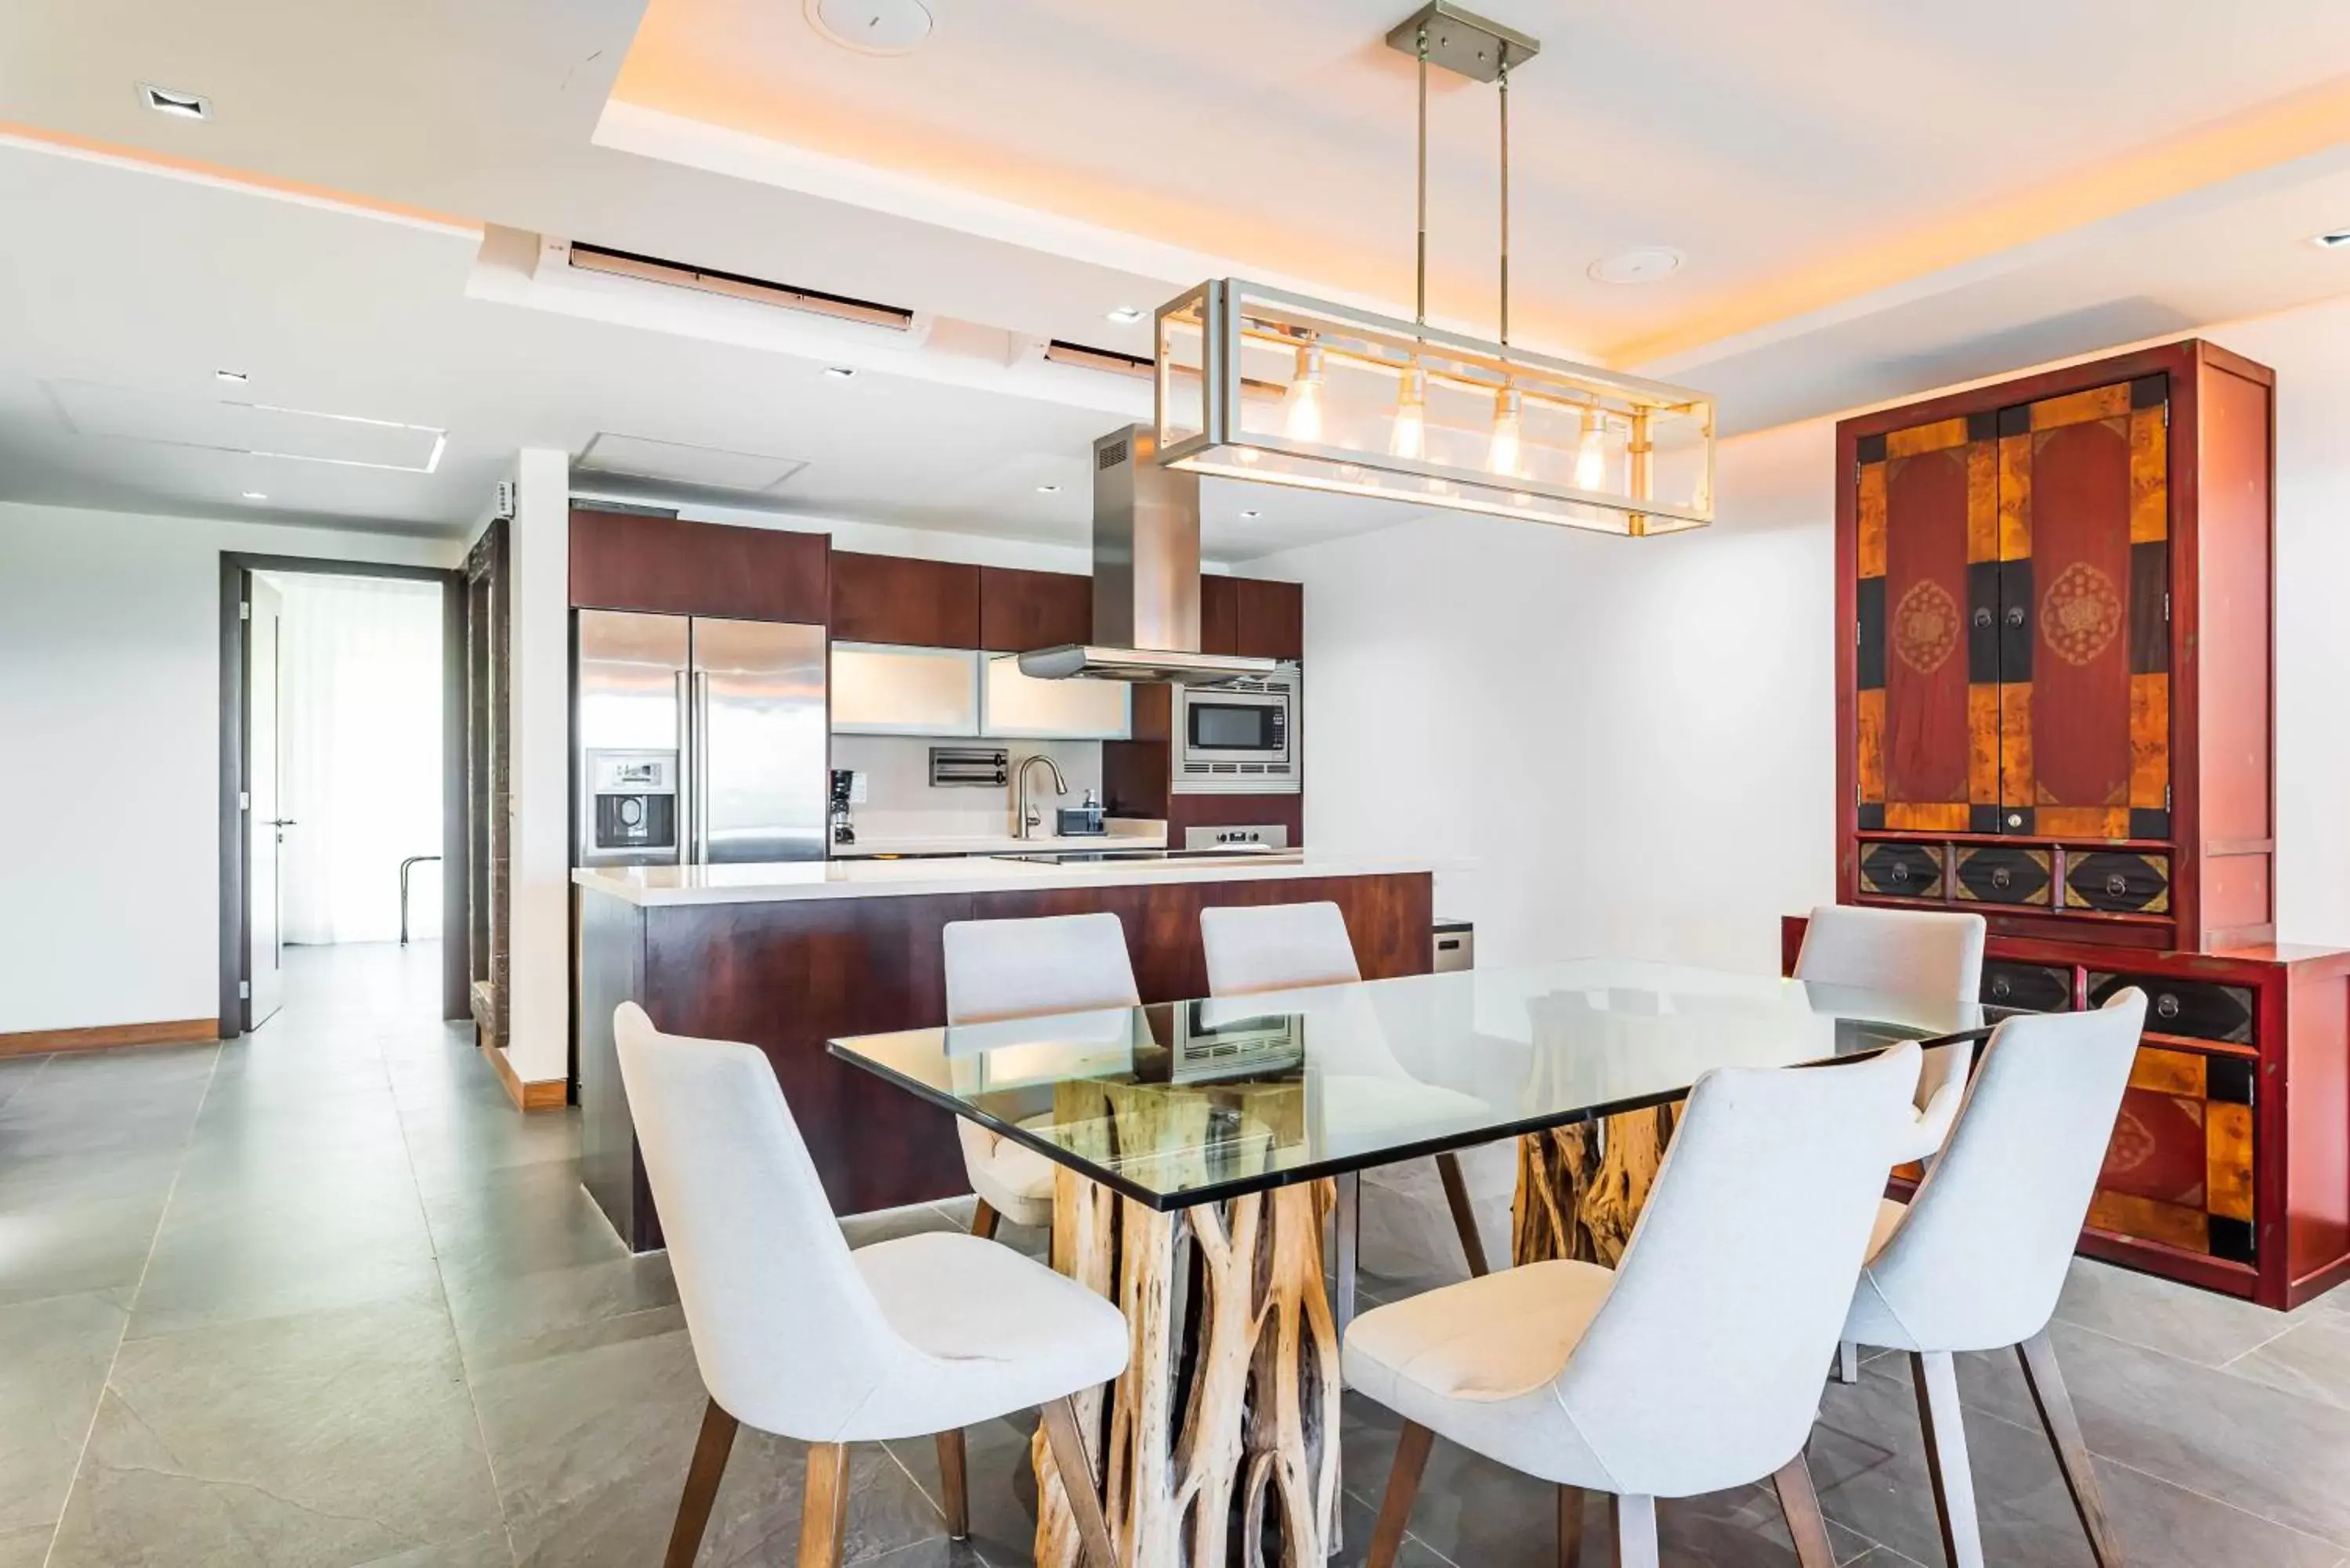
1257	384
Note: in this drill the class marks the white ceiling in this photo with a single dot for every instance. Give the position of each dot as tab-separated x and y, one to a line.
1875	200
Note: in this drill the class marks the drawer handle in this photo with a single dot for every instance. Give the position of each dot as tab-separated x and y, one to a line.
2000	876
2166	1006
2117	884
1901	873
1983	617
2000	986
2015	819
2015	614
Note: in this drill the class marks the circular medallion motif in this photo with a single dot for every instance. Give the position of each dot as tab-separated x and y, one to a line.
1925	627
2132	1146
2081	613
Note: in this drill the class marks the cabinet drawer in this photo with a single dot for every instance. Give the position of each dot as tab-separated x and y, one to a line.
2179	1169
2117	882
1902	870
2028	987
2199	1009
2005	873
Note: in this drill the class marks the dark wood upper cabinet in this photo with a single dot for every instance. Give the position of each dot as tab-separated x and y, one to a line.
1220	615
895	598
1270	620
630	561
1020	610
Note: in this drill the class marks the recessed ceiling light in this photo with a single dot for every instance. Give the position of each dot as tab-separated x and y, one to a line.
872	27
254	495
2331	241
841	373
168	100
1641	264
233	378
1125	314
1252	511
1048	490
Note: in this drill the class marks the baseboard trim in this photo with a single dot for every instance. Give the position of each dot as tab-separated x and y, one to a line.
531	1094
104	1036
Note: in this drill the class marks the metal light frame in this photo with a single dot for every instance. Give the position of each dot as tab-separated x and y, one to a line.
1230	316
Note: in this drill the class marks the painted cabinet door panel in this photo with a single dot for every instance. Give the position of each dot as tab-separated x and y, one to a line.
2084	584
1927	506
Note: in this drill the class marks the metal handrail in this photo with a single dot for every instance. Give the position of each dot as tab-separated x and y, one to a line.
404	892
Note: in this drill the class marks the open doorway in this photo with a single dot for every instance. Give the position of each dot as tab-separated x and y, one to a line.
343	832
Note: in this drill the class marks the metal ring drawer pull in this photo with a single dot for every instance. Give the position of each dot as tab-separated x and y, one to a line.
2001	986
2166	1006
2000	876
2117	884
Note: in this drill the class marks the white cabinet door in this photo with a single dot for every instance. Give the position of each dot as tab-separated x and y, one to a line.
879	690
1018	706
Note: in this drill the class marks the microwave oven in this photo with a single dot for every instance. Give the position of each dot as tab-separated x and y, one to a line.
1238	738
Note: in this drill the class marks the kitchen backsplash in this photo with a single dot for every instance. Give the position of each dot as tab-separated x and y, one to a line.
902	804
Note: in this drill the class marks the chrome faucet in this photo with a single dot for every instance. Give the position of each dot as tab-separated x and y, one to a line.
1030	817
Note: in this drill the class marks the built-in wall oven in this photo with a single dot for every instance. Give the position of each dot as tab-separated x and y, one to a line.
1239	738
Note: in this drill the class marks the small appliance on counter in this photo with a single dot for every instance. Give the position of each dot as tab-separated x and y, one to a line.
1081	821
844	795
1456	945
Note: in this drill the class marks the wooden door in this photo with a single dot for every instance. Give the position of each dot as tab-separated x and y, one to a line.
1926	656
2084	607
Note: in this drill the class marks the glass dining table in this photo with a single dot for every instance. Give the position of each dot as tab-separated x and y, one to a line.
1204	1151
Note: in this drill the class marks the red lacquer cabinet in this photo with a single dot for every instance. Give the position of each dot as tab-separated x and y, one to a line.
2054	709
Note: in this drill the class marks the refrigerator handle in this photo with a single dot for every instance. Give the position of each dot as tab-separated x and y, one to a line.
699	780
686	825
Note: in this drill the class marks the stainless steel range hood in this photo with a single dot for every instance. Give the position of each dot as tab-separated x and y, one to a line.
1146	577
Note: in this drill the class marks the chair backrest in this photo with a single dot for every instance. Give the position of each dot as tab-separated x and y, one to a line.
1979	1258
1702	1370
788	1336
1914	952
1026	969
1277	947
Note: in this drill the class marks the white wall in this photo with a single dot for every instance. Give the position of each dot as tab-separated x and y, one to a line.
109	700
538	969
1626	746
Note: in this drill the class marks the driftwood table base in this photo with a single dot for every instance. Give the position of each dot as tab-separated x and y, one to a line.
1581	1188
1220	1443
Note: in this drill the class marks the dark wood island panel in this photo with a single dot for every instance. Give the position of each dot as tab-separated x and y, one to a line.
787	975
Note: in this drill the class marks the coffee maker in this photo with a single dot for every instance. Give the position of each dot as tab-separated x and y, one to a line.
844	785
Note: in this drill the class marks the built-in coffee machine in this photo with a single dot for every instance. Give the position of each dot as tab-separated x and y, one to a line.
631	809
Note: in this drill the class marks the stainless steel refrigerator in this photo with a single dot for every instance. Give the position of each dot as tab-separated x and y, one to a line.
697	741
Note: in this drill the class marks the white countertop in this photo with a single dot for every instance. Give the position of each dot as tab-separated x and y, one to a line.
991	844
777	882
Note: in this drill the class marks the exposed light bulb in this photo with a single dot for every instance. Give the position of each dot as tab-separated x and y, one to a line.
1410	437
1591	453
1509	425
1303	420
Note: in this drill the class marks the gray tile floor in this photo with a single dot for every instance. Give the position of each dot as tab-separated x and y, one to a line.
319	1298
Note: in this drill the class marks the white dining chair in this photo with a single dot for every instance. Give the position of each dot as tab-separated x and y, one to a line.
1255	948
1975	1261
1910	953
798	1336
1694	1364
1026	969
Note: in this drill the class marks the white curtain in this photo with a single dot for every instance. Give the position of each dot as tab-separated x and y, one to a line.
360	721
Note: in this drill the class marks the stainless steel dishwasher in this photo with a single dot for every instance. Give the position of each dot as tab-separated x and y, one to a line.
1456	945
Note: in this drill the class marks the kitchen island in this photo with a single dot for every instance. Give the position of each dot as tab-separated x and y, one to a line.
788	956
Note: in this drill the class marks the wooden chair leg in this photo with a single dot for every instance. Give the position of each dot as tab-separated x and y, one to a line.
954	1495
1078	1481
1936	1376
1800	1501
1403	1485
1464	1217
984	1220
1570	1527
702	1478
824	1506
1847	1368
1636	1532
2054	1403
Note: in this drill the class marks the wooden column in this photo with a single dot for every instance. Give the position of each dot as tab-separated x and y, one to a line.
1581	1188
1228	1412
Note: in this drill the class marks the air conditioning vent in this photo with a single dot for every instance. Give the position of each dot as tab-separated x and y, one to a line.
734	286
1111	456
